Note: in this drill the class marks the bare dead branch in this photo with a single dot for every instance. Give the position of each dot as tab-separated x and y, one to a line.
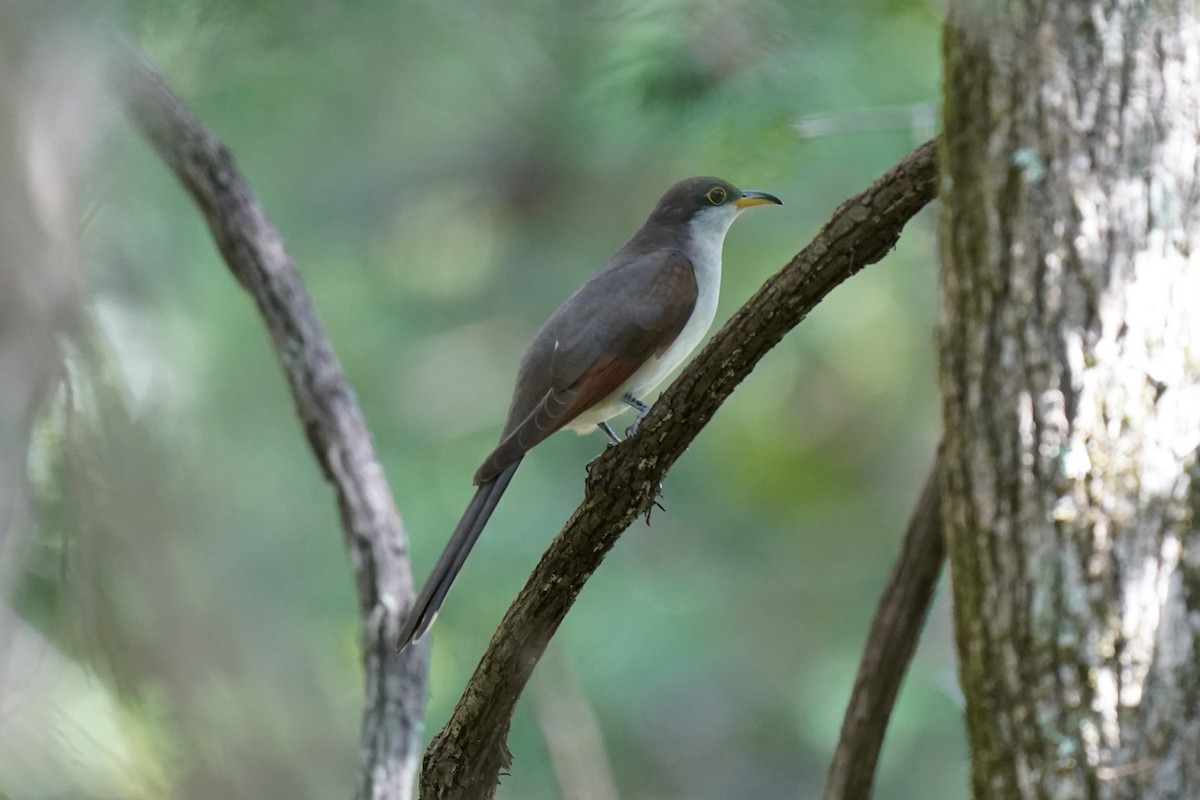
890	647
373	533
467	755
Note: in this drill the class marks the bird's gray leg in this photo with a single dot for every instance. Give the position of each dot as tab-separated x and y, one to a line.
612	438
642	411
641	408
609	432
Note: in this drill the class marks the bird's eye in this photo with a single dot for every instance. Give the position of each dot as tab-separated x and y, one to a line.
716	195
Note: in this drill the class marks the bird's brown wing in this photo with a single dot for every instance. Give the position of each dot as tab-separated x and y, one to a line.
593	344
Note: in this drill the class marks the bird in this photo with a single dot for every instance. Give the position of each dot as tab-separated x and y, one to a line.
609	344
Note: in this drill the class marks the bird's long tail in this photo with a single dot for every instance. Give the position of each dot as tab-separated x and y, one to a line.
480	509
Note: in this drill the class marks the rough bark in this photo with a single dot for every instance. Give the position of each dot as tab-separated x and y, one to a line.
467	755
373	534
1070	374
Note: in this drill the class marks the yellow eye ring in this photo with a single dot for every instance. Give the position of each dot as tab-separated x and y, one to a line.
716	195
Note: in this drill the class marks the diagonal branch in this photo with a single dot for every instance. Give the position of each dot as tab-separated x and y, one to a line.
373	533
467	755
890	647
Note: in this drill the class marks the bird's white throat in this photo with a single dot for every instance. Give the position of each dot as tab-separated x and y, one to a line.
707	230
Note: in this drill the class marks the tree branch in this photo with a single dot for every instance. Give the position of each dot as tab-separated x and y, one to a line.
890	646
465	758
372	531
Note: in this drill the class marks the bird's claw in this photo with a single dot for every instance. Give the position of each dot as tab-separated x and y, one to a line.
655	504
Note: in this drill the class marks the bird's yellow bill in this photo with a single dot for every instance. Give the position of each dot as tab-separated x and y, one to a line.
750	197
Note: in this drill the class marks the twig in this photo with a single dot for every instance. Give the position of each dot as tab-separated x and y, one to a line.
890	646
467	755
373	533
916	117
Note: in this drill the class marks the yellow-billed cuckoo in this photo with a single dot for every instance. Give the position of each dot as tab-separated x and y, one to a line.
610	343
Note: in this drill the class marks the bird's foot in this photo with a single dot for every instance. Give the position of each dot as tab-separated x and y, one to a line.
658	493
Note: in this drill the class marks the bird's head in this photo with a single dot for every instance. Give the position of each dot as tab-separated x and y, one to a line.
706	203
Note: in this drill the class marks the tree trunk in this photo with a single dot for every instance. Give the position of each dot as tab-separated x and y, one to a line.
1070	373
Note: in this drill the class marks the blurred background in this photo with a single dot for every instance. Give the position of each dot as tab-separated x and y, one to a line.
179	616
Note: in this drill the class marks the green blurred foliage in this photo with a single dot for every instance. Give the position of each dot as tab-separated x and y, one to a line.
444	175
